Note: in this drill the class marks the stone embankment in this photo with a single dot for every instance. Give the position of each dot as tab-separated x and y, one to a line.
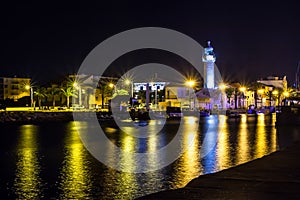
36	117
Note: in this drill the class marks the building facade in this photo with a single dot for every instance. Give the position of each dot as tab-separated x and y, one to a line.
14	88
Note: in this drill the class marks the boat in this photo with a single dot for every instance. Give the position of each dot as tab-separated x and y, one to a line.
289	112
251	112
234	113
204	113
174	112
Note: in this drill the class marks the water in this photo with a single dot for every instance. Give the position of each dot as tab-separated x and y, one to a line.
49	161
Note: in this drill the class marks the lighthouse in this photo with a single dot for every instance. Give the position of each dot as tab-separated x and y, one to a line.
209	60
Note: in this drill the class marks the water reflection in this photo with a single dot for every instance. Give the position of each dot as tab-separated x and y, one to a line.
188	165
76	180
223	146
243	154
28	184
208	146
261	142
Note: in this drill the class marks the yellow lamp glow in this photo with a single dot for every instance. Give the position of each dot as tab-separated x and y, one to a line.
127	81
190	83
111	85
286	94
242	89
222	86
275	92
260	91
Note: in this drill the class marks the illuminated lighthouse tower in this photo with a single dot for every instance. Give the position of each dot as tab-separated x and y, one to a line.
209	60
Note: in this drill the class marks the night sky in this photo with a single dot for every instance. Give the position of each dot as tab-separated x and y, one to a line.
251	40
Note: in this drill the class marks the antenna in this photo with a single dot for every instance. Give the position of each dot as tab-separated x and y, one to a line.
297	76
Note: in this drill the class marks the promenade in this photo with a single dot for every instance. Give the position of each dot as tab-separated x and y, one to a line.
276	176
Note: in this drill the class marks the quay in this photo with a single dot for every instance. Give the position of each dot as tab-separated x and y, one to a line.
276	176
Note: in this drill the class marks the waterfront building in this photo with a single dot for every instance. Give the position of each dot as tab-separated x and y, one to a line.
274	82
14	88
89	96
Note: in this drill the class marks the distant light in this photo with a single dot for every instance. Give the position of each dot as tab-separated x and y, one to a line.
75	85
127	81
222	86
286	94
190	83
111	85
260	91
27	87
275	92
242	89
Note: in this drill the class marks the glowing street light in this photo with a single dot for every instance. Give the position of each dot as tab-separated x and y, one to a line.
190	83
29	87
260	91
275	92
222	86
242	89
129	82
286	94
111	85
77	87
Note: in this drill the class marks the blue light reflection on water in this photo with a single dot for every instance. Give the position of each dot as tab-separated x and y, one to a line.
50	161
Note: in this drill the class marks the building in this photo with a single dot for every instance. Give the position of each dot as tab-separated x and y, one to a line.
14	88
274	82
93	91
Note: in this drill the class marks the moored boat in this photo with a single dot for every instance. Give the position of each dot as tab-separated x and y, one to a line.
289	112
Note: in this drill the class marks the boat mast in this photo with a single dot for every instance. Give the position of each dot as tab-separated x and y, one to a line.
297	76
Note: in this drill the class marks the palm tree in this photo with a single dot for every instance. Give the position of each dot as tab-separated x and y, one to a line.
229	92
105	91
254	86
68	92
40	93
53	92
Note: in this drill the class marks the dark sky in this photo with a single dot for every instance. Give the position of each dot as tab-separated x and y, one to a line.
251	40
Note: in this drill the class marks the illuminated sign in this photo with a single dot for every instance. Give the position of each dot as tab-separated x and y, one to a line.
152	86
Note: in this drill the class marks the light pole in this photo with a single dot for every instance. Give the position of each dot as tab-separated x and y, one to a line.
190	83
77	86
222	87
29	87
243	89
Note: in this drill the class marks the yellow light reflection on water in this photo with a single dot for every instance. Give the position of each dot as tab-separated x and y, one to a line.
261	140
28	182
188	166
75	174
243	154
122	185
223	146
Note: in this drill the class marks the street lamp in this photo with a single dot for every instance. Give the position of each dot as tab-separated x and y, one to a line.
29	87
222	86
286	94
129	82
190	83
77	87
243	90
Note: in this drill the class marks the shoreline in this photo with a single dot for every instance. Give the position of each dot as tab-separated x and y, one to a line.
47	116
275	176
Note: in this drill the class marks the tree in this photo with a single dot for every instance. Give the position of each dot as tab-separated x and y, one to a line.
254	86
40	93
68	92
53	92
229	92
105	91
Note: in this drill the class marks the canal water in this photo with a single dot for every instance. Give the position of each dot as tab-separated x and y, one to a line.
49	161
